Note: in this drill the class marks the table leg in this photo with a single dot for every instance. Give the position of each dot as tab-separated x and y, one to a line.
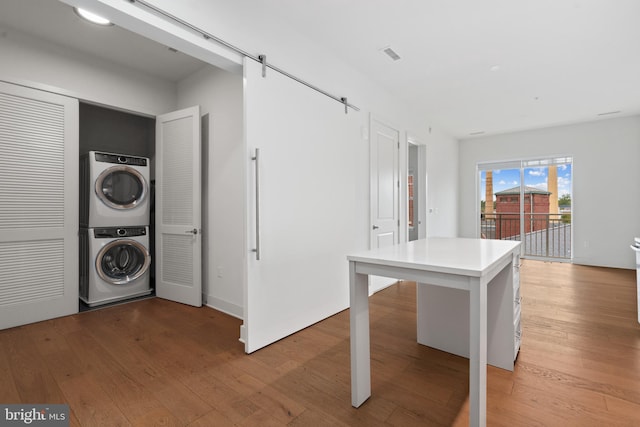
478	353
360	348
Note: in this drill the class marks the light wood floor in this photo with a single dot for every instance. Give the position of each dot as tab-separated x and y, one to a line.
155	362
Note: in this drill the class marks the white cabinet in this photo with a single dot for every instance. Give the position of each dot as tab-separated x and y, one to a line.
517	306
443	320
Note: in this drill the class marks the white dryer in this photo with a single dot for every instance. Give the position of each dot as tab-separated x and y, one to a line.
114	190
114	264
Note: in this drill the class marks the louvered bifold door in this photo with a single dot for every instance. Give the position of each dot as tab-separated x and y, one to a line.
178	207
38	205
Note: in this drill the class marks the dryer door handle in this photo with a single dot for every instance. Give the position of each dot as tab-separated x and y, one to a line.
194	231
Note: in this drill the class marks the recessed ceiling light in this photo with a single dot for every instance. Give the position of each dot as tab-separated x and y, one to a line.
92	17
476	133
495	68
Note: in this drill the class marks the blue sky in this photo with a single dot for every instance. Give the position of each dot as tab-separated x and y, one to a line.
533	177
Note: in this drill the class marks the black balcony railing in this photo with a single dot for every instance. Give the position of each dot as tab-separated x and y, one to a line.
545	235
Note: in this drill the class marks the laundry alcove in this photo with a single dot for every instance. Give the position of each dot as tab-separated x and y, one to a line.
311	168
115	109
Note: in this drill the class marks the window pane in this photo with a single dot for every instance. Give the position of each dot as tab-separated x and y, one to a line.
540	207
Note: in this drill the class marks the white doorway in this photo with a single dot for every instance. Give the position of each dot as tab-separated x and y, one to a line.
385	185
416	190
384	169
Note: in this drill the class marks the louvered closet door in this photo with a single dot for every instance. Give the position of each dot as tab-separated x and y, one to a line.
178	207
38	205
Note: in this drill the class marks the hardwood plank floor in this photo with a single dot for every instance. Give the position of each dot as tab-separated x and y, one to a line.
154	362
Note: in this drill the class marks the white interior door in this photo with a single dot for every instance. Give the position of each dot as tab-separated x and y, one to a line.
384	169
385	185
178	207
304	213
38	205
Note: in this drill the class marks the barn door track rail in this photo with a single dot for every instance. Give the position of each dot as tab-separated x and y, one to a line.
258	58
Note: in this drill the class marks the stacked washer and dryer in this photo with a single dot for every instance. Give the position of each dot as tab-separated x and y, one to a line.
114	227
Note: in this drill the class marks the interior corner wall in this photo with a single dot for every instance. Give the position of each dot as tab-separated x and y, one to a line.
442	184
114	131
219	94
605	179
48	66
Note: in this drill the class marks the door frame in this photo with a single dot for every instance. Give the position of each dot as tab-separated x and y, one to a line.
421	178
377	283
401	168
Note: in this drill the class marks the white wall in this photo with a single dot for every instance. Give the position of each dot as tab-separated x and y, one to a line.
442	185
606	175
44	65
219	94
246	28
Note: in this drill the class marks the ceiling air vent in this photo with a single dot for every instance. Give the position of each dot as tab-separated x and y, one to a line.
391	53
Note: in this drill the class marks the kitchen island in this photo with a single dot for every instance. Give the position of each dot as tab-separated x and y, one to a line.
486	270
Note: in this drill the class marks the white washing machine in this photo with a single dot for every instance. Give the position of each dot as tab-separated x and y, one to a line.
114	190
114	264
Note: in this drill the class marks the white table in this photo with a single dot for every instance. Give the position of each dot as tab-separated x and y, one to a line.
467	264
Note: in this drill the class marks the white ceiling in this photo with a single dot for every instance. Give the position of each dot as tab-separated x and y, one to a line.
57	23
470	66
558	61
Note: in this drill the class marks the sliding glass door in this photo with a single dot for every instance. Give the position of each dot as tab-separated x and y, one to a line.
501	221
529	201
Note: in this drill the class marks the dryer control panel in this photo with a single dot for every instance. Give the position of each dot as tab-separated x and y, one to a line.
121	160
115	232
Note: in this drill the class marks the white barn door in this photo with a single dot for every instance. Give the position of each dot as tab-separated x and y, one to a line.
178	207
304	213
38	205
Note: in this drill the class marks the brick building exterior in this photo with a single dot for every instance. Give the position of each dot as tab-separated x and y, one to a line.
508	211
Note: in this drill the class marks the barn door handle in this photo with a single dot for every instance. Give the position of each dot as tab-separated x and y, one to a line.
375	227
256	158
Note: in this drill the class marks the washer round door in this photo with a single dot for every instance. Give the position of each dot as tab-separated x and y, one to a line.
122	261
121	187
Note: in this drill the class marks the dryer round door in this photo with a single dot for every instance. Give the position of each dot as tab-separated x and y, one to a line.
121	187
122	261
